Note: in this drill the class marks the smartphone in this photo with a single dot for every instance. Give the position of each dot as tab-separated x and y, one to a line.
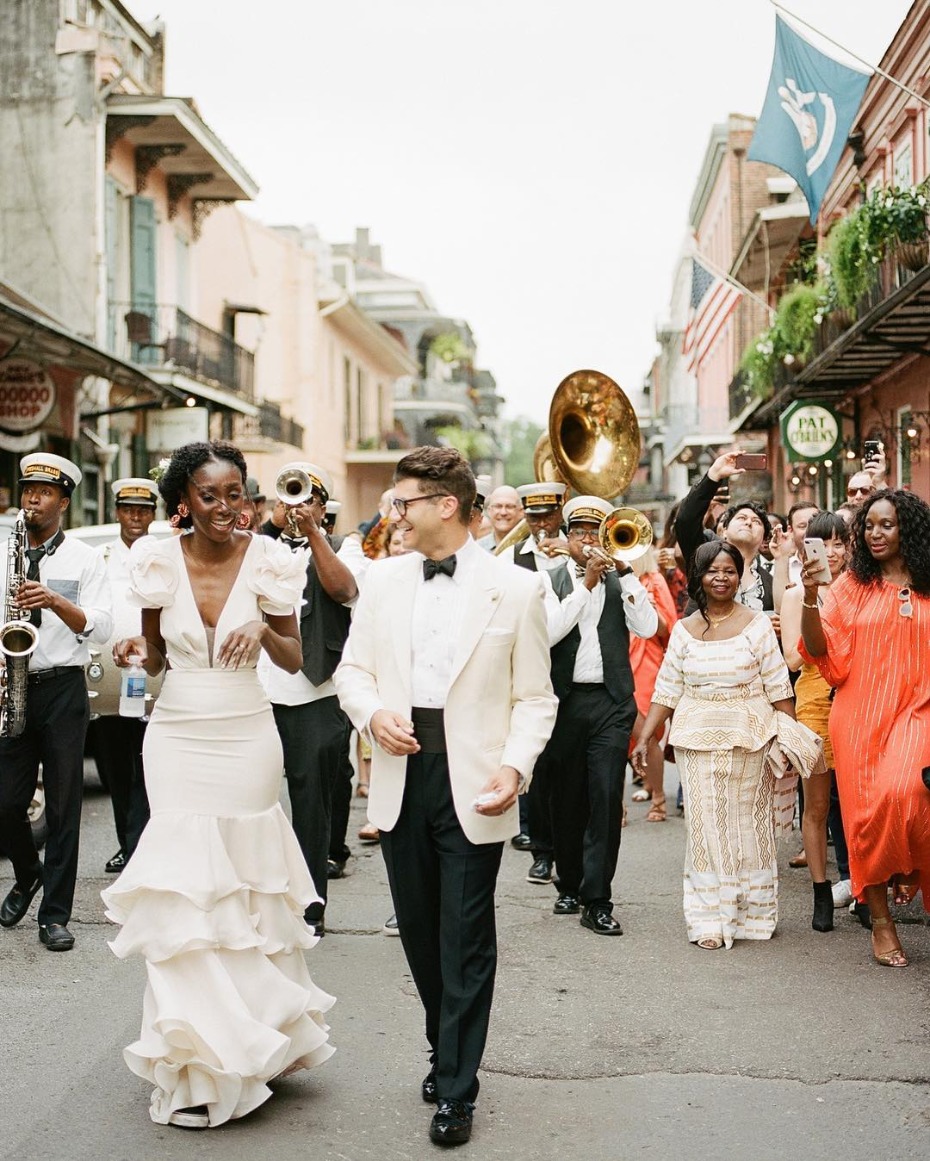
814	550
752	463
871	450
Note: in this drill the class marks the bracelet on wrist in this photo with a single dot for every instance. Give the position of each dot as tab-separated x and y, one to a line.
807	606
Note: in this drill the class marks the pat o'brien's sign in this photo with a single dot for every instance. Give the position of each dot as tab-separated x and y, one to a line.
27	395
810	431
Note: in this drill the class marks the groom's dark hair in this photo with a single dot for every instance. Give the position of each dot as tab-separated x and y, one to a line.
440	469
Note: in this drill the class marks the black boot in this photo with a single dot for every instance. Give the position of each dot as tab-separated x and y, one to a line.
823	907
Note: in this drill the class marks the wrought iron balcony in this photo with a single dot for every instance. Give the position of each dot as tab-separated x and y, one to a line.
160	335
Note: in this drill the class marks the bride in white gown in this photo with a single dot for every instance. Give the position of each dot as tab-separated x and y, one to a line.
215	893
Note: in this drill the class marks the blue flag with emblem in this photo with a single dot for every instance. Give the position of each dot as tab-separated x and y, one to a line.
809	109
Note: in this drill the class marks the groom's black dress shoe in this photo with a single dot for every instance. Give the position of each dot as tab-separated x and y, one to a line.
451	1123
600	921
566	905
16	904
56	937
428	1087
117	863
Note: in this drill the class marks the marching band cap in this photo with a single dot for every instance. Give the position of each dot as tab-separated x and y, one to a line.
483	488
135	490
44	468
538	498
320	478
591	509
333	507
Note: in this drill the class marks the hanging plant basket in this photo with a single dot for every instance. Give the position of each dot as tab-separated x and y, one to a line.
913	255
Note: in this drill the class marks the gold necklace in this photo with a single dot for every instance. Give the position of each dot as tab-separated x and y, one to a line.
720	620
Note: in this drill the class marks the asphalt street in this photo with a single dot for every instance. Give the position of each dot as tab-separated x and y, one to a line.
637	1047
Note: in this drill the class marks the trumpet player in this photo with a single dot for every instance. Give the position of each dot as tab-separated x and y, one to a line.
313	729
593	603
545	546
67	596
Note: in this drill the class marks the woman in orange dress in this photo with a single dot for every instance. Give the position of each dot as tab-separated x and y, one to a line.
645	660
871	641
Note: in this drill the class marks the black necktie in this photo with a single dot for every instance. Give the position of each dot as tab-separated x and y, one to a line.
34	555
432	567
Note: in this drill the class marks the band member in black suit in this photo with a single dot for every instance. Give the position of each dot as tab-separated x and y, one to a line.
116	741
592	606
314	730
539	552
68	596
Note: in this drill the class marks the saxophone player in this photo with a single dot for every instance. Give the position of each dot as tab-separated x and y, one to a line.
67	595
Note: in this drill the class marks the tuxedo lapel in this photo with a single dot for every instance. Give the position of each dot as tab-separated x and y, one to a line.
483	599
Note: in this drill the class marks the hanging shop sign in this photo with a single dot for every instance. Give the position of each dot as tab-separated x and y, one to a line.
175	426
27	395
810	432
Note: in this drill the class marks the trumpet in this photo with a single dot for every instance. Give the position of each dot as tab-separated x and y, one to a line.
623	536
293	486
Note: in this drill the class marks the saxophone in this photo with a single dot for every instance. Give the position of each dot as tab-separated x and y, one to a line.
18	637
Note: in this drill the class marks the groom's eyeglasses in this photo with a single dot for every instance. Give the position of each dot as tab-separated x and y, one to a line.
402	505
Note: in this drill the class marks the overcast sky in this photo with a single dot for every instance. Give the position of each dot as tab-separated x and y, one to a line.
530	161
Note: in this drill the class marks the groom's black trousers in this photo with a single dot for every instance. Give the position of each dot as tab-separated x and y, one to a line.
443	891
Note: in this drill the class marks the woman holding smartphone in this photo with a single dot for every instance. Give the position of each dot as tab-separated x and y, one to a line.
870	639
813	702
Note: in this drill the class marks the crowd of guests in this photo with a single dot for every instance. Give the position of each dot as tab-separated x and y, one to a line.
773	687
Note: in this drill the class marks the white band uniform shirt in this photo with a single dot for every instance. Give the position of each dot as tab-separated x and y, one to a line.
78	573
437	621
584	608
544	563
127	621
285	688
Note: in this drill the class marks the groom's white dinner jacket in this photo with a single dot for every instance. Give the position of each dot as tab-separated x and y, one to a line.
500	708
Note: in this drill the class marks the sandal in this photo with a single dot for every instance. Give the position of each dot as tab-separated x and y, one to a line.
641	795
904	891
710	943
657	812
894	958
799	860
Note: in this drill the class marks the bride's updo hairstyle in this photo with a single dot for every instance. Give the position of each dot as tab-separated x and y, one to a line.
187	460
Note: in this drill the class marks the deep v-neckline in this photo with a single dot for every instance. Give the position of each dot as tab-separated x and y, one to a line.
209	632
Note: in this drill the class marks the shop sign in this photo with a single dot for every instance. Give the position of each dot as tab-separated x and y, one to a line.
27	395
810	431
176	426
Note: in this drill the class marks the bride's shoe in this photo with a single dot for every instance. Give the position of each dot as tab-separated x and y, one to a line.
193	1118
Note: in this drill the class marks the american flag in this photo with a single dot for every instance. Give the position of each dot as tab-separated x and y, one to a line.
713	300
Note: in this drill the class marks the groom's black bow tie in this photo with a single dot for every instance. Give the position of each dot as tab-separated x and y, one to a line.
432	567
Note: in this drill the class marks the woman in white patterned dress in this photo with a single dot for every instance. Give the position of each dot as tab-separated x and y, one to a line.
215	893
726	680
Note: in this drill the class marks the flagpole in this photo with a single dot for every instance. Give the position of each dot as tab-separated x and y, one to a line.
721	273
874	68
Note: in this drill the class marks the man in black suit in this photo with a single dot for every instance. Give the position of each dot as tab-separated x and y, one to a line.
314	731
592	606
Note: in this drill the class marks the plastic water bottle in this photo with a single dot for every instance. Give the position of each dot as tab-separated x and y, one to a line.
132	690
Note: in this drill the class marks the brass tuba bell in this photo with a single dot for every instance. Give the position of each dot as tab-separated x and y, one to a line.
593	434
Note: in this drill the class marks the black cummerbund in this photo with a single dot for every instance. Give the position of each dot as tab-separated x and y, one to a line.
429	729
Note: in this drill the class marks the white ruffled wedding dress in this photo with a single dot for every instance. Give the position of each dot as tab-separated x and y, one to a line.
215	893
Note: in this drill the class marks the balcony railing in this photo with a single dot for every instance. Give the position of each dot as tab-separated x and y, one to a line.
433	390
165	336
269	424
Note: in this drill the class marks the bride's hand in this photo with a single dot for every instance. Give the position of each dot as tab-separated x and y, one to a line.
130	647
242	645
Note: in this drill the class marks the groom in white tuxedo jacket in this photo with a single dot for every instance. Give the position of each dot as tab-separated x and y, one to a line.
447	669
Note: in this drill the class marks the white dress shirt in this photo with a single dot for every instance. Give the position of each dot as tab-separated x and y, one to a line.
438	608
584	607
543	563
127	618
285	688
78	573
